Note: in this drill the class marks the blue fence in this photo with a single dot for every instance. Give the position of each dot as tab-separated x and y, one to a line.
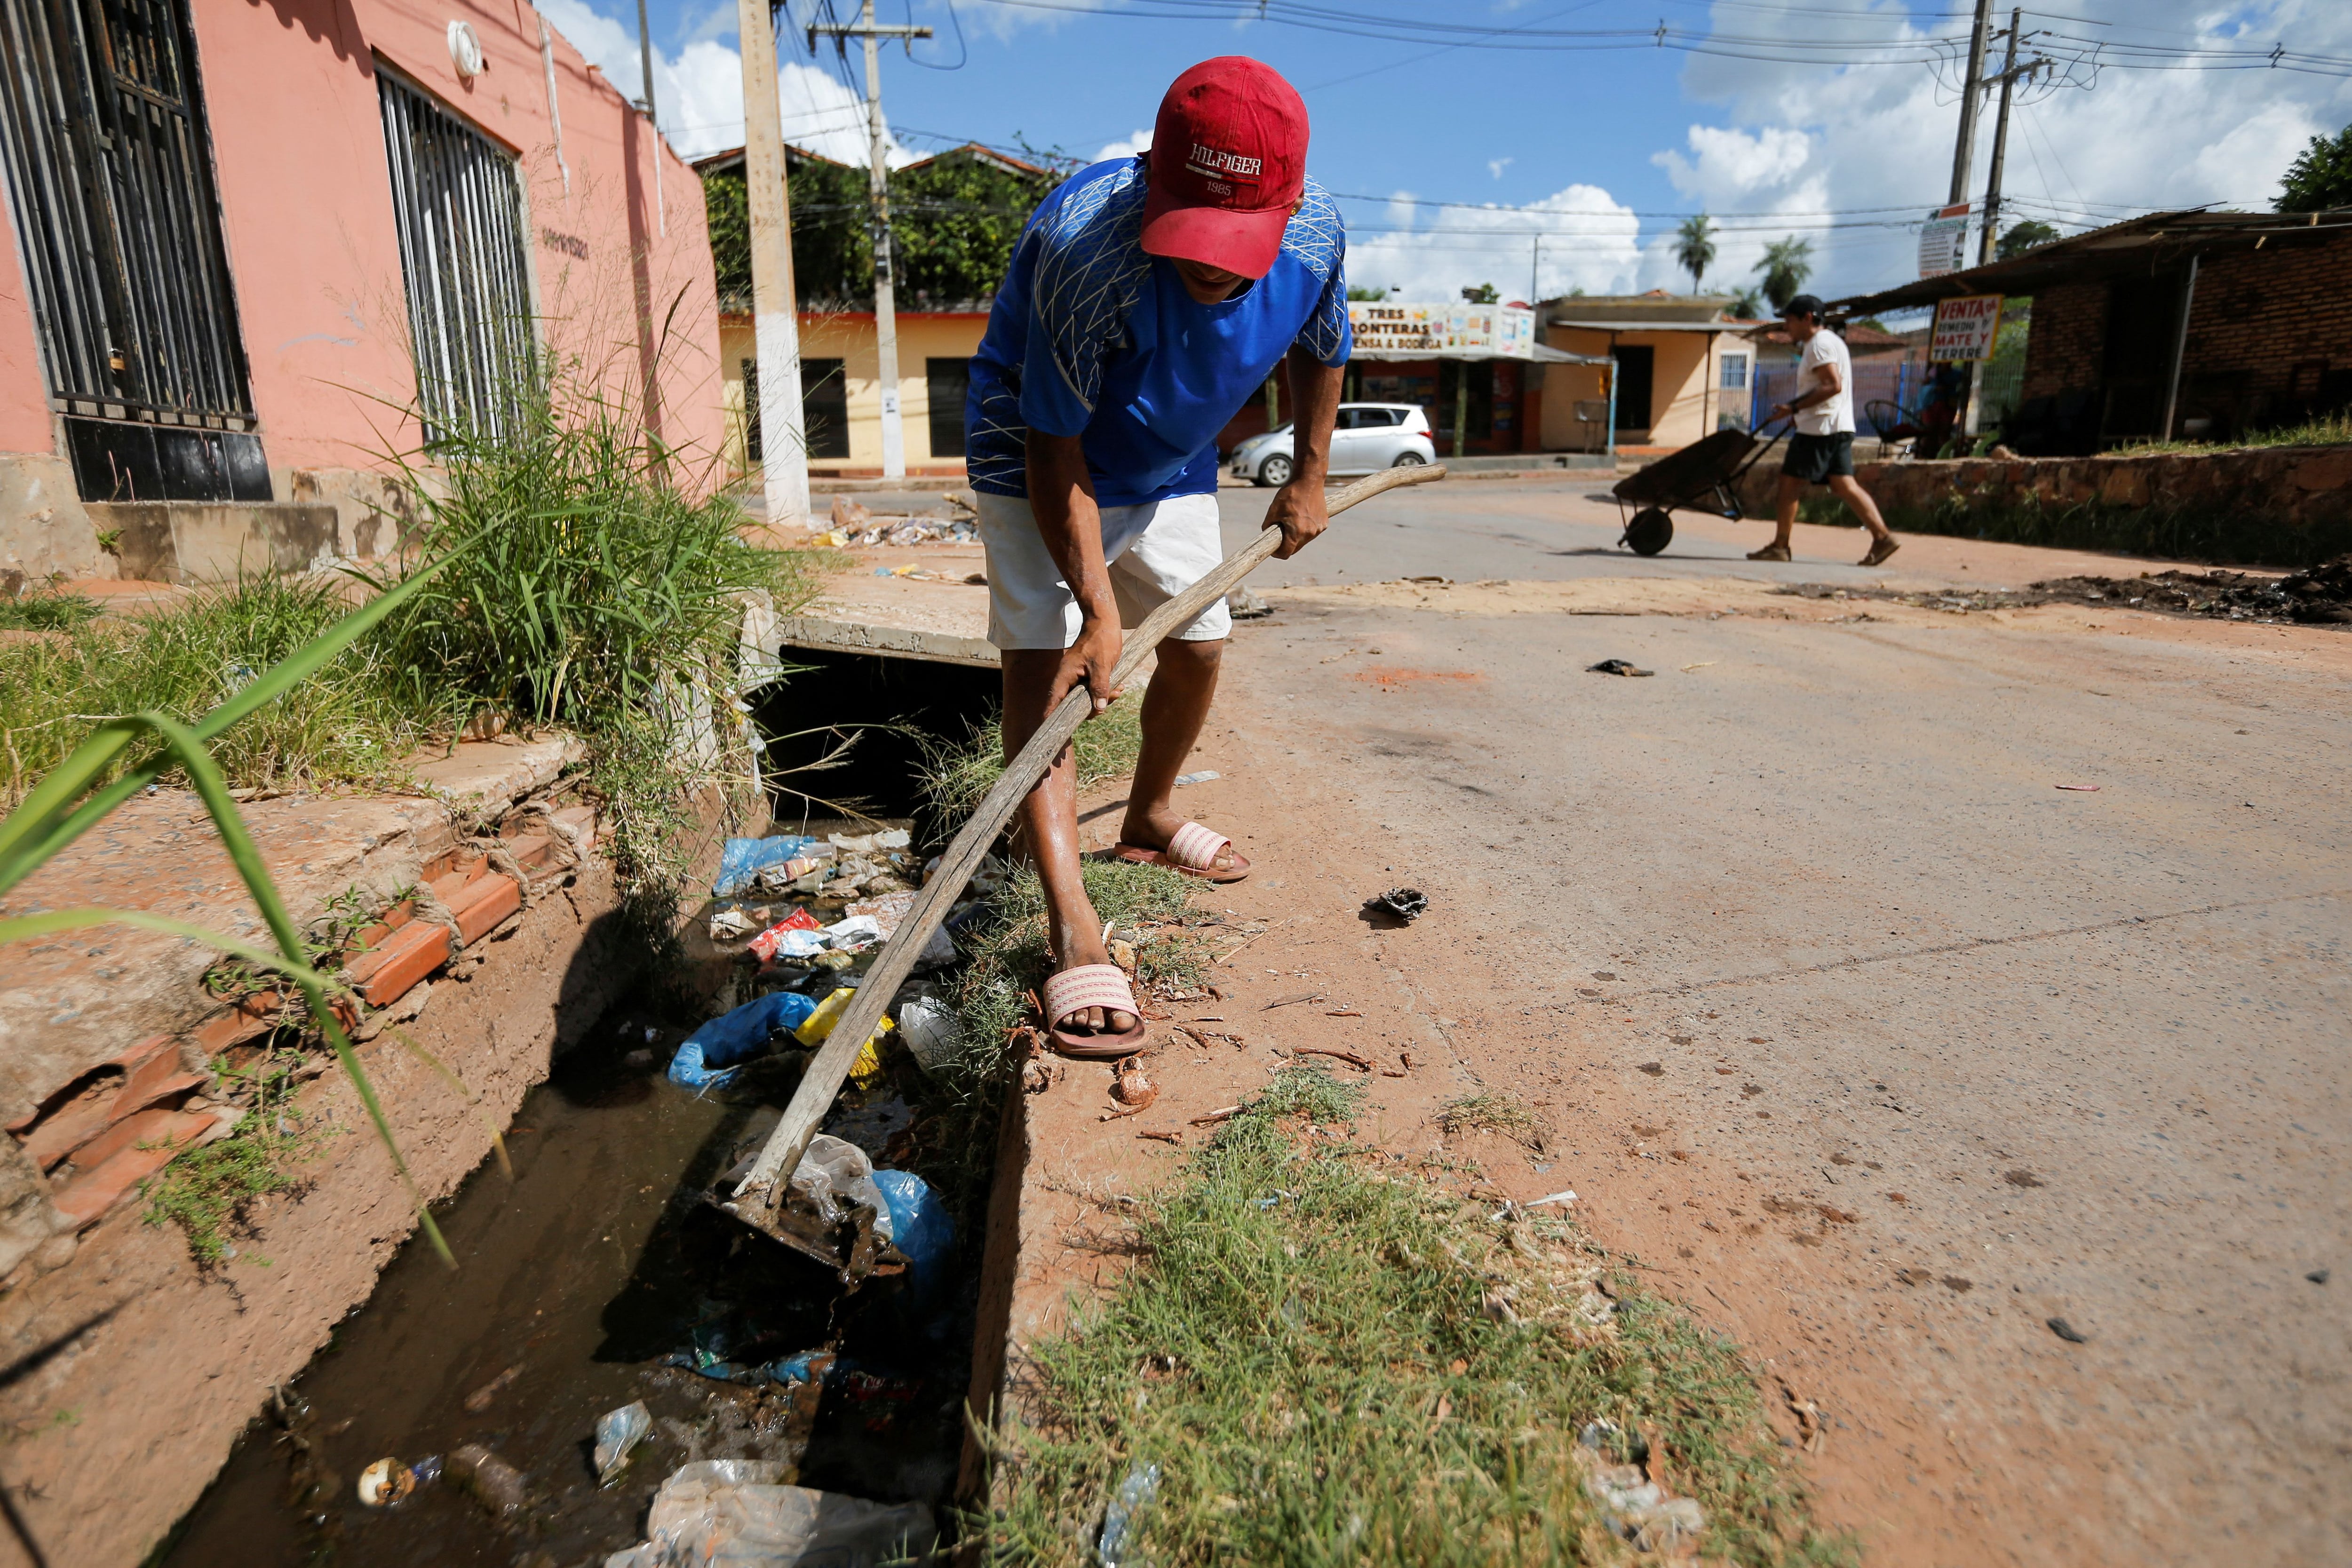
1901	382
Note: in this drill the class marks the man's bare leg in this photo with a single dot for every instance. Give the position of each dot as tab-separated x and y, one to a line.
1784	520
1175	706
1048	825
1847	489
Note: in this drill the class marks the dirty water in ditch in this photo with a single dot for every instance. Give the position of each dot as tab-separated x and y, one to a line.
580	1281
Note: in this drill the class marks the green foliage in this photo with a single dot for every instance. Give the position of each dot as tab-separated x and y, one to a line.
343	724
46	610
1746	303
954	221
2021	237
1306	1349
2320	178
1366	292
1483	294
1695	246
1105	748
209	1192
1787	264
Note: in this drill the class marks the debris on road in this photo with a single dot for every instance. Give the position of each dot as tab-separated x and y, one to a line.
1350	1057
617	1432
385	1482
488	1479
1131	1088
1407	904
1203	777
739	1511
1618	666
2068	1331
2086	789
480	1399
1134	1495
1631	1501
2317	595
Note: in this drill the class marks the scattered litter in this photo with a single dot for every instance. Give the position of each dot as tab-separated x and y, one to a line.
1343	1012
1406	904
1246	605
1702	663
1618	666
933	1034
919	1227
1292	1001
1631	1502
855	931
1350	1057
2068	1331
814	1030
1203	777
727	925
617	1432
2086	789
488	1479
1134	1495
1565	1196
2317	1276
479	1400
385	1482
742	859
1131	1088
738	1514
1175	1138
710	1054
1214	1117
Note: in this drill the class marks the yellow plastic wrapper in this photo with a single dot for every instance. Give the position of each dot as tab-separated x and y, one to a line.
814	1029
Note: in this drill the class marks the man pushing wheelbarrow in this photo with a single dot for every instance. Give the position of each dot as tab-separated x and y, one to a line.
1822	451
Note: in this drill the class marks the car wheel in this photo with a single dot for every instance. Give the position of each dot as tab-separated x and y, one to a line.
1274	470
1409	460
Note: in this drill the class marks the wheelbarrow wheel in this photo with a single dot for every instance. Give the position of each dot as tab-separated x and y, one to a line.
1650	532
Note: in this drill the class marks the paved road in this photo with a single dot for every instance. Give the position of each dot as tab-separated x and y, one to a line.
1861	947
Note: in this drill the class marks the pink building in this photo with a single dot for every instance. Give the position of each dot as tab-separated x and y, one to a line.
251	240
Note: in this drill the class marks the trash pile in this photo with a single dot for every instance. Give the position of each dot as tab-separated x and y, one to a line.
854	526
2317	595
1632	1496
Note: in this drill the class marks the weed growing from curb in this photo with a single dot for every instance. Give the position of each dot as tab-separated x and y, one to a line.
957	776
209	1192
1493	1113
1333	1359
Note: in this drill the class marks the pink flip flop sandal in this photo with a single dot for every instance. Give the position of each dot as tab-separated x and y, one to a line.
1194	851
1092	985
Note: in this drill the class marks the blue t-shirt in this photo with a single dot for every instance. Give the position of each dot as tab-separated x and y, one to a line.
1090	336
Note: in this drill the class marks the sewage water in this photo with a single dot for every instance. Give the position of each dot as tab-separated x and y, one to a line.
578	1281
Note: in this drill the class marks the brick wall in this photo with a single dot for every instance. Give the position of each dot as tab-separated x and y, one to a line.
2068	342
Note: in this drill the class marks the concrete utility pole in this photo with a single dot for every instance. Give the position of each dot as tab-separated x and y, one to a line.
775	309
1965	153
2009	73
886	314
645	61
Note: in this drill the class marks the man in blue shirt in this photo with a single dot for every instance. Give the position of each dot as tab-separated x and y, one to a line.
1148	301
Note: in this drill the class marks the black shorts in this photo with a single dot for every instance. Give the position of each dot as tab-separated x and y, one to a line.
1817	460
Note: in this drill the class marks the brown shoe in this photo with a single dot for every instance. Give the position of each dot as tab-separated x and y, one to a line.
1770	552
1880	549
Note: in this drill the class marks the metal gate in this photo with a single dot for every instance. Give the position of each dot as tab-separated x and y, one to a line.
459	205
110	179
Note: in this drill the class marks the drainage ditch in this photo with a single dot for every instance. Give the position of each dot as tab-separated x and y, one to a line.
600	1275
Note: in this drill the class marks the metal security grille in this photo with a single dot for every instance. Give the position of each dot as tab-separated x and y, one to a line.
460	210
110	177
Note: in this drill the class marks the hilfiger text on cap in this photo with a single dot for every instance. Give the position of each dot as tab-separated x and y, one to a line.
1213	161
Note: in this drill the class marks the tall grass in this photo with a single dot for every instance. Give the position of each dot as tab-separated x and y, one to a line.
347	724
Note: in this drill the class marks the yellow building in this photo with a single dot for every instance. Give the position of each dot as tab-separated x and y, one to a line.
1684	369
841	395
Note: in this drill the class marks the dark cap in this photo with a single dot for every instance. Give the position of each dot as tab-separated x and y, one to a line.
1803	305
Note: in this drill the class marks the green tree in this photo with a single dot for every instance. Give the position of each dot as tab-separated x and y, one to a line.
1787	264
2021	237
2320	177
1484	294
1746	303
1695	246
1365	291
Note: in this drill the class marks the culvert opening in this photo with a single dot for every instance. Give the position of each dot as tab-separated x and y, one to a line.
600	1276
888	712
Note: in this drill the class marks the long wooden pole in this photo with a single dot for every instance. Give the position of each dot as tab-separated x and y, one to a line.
757	1197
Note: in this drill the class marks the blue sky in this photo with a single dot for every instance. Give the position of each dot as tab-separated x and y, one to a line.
1845	136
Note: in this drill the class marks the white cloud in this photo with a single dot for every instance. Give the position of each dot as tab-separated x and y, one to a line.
1800	140
699	93
1126	146
1589	240
1495	166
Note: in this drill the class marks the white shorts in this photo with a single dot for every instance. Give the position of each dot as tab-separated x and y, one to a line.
1155	552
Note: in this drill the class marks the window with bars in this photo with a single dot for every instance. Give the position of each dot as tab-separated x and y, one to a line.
111	183
457	202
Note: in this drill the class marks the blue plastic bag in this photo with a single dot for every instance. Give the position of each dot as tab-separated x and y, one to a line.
744	858
919	1226
712	1051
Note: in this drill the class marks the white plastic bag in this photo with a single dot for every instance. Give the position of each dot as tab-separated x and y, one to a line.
736	1513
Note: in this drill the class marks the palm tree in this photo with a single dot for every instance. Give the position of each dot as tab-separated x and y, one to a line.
1746	303
1695	246
1787	264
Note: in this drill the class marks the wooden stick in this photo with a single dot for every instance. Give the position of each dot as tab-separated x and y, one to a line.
763	1188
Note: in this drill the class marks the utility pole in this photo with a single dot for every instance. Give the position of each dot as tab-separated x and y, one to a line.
653	118
1989	235
886	314
775	309
1535	271
1964	153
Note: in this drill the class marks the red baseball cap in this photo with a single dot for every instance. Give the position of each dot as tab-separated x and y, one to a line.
1228	162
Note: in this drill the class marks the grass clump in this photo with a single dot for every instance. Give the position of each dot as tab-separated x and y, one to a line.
209	1193
1331	1360
956	776
1492	1112
46	610
347	725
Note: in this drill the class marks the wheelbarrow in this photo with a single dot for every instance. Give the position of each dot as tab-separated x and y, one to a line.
1700	477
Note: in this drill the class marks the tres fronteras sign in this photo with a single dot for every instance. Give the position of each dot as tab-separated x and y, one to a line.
1965	328
1391	330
